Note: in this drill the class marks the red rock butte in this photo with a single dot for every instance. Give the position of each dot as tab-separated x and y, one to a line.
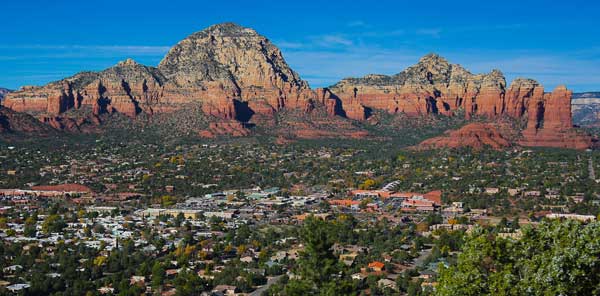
235	73
474	135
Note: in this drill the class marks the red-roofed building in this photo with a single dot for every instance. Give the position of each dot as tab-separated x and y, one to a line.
434	196
370	193
403	195
376	266
426	202
75	188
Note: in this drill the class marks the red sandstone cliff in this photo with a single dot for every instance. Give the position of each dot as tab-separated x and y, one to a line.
123	88
434	86
235	73
549	122
227	68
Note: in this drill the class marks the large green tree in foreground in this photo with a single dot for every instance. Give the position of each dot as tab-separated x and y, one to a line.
319	270
553	258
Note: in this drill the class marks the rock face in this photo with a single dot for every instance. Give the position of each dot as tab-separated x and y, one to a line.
234	73
227	61
434	86
125	88
431	86
549	122
17	122
474	135
224	127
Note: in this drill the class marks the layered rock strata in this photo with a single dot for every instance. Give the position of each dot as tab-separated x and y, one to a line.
236	73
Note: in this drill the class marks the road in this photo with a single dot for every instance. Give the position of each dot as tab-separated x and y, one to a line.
270	282
422	256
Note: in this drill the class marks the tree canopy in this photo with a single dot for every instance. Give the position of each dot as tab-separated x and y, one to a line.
552	258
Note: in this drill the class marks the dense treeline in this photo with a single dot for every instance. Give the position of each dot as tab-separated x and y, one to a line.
552	258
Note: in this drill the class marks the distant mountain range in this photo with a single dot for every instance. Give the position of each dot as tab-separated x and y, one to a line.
3	92
243	86
586	108
586	95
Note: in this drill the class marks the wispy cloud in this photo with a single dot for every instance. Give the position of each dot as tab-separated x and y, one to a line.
431	32
74	50
358	24
381	34
289	45
332	40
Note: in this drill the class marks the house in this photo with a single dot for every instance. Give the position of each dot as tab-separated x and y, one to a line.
347	203
387	284
418	203
137	280
434	196
225	289
348	259
226	215
427	274
377	266
172	272
450	226
532	193
513	191
453	210
492	190
359	277
187	213
428	286
582	218
478	212
370	193
100	209
386	257
457	204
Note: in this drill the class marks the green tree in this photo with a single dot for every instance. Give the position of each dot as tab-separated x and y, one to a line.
554	258
53	223
317	262
318	267
158	275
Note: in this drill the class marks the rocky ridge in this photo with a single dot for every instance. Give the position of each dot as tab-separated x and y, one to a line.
434	86
232	70
16	122
238	75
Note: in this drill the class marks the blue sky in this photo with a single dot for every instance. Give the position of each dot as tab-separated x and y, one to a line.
554	42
